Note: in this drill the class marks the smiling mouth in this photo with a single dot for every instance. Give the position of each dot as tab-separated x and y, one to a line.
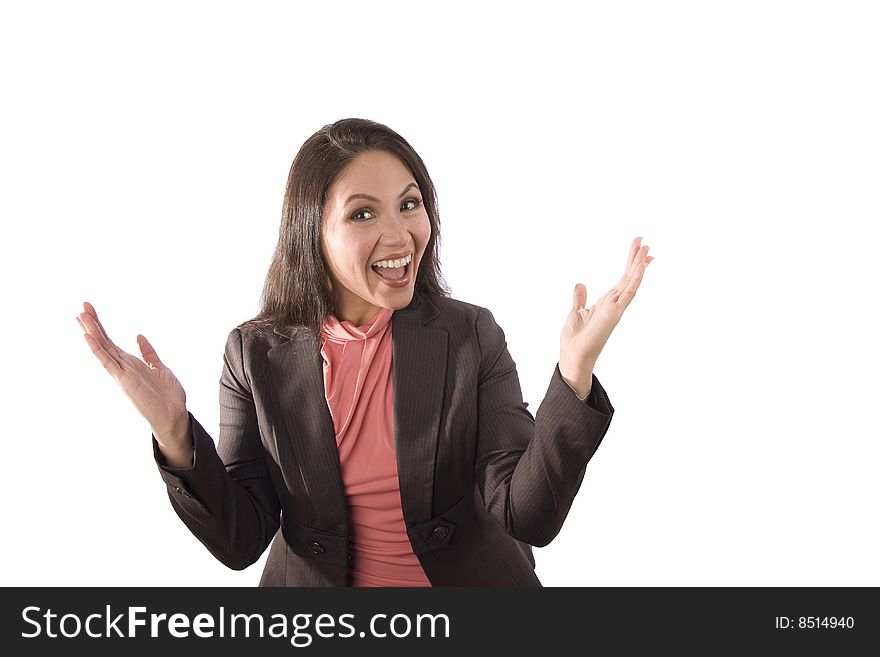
397	262
392	274
393	271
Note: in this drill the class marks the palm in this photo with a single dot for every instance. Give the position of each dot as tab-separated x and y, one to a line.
586	330
152	387
158	383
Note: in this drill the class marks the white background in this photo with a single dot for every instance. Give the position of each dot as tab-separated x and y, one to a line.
144	151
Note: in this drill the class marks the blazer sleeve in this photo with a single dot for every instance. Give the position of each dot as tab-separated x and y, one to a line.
229	504
529	469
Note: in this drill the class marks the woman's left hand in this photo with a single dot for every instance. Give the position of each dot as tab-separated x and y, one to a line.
587	330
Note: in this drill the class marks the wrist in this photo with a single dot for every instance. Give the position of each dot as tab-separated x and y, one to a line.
178	458
177	438
580	380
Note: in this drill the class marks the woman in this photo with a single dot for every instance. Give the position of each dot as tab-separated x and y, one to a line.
438	475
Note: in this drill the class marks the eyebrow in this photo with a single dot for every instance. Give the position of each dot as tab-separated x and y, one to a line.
374	199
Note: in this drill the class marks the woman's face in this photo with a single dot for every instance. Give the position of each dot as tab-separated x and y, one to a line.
357	232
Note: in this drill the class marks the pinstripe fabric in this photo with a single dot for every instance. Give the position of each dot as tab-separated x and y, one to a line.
481	479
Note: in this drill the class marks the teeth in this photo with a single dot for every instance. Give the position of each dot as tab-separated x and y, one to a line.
400	262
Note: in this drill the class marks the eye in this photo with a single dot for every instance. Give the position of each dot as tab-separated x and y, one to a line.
415	203
355	216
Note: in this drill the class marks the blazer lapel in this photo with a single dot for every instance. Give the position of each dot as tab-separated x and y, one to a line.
419	373
305	435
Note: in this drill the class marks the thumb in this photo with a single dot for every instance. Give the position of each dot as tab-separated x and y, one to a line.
579	299
149	354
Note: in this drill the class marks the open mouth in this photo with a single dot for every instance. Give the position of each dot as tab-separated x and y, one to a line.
394	276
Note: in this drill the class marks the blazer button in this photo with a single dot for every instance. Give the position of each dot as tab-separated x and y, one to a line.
439	533
317	548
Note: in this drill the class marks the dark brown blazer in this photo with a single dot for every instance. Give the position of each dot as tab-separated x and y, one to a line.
481	480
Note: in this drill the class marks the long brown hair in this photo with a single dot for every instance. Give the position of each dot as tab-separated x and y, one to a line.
297	294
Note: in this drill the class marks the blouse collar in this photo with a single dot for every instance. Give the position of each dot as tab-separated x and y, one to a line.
345	331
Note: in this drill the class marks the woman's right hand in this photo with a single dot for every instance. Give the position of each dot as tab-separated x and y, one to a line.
152	387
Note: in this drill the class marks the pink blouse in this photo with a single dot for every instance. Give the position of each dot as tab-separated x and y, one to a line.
359	391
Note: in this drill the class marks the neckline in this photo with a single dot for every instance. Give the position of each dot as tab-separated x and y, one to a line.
345	331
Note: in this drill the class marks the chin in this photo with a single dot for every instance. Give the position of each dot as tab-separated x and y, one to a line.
395	301
402	302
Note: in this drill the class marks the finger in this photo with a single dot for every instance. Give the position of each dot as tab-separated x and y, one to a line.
149	354
631	287
105	358
90	309
633	250
634	273
579	299
106	345
640	256
90	326
94	327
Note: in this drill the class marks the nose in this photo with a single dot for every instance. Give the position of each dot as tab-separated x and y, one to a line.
394	231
